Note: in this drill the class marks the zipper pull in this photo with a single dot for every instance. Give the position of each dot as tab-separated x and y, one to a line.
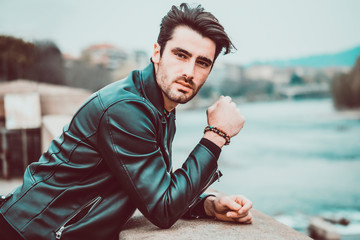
59	232
218	175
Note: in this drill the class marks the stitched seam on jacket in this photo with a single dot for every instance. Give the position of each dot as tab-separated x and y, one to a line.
61	193
63	133
133	99
142	100
54	153
45	179
122	163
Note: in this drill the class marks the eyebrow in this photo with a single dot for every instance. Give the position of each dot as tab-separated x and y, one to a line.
205	59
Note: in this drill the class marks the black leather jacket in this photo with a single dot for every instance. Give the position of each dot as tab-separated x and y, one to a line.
113	157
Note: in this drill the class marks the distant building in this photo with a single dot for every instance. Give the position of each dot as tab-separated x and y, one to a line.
105	55
114	58
225	71
141	58
69	60
260	72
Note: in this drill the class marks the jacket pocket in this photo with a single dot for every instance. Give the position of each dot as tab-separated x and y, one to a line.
77	216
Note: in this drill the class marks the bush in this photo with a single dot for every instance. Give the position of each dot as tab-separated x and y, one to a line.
41	61
346	88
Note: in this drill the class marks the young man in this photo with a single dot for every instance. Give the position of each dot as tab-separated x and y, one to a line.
115	154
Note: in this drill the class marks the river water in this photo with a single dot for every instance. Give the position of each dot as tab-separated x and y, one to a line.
293	159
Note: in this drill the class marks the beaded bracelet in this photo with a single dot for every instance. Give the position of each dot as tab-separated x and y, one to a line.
218	131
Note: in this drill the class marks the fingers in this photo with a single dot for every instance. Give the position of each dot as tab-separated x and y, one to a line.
246	219
246	207
244	202
225	115
233	208
239	200
242	218
237	203
227	99
228	202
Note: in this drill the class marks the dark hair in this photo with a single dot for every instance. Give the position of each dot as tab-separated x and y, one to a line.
197	19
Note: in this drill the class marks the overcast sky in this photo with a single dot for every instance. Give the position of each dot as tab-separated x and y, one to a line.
260	29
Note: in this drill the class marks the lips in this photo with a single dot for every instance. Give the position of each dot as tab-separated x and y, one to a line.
186	86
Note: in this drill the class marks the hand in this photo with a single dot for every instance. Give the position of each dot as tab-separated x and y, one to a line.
234	208
223	114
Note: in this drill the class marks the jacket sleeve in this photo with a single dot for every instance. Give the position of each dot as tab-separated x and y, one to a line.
127	137
198	210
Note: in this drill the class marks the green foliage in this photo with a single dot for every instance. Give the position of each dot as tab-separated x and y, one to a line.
295	79
41	61
16	57
346	88
48	66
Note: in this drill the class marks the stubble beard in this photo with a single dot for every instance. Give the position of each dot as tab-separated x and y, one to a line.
177	96
174	94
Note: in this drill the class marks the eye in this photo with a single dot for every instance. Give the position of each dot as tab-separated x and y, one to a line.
203	64
180	55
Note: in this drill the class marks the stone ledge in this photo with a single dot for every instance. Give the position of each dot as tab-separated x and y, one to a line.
263	227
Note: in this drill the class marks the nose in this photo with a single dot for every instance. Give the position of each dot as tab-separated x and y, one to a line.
188	71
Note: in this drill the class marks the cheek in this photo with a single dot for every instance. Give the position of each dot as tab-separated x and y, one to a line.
202	78
168	70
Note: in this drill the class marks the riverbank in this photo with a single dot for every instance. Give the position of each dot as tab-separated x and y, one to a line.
350	113
293	159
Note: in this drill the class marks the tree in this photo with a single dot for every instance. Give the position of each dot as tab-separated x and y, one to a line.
41	61
346	88
296	79
16	58
48	66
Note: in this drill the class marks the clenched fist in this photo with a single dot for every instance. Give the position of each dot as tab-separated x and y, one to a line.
224	115
234	208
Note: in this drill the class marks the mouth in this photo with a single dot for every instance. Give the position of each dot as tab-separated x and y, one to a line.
184	86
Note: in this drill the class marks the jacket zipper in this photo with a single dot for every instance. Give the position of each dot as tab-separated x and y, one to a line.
216	176
93	202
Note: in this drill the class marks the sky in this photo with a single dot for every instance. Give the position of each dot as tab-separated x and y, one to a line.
261	30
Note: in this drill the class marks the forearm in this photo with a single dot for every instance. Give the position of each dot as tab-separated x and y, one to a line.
198	210
215	138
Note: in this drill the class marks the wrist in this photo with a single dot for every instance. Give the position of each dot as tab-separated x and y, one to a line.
209	204
215	138
219	132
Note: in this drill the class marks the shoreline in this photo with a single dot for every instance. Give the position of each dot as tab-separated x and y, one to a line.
202	103
352	114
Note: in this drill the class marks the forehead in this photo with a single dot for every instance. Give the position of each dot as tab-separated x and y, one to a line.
191	41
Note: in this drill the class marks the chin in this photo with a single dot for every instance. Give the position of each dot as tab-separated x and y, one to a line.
180	97
185	100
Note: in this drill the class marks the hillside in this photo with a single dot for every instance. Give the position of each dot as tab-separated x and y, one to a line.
345	58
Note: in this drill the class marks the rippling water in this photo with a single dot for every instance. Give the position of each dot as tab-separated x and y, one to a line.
293	159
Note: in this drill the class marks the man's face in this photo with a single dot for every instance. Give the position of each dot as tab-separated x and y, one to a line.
184	65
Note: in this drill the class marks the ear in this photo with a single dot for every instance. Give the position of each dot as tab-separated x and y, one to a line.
156	54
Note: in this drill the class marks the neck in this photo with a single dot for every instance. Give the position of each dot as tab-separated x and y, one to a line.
168	104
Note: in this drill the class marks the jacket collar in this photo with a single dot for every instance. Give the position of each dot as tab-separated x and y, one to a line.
150	88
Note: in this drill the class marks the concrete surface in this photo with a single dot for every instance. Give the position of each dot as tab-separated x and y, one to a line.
263	228
7	186
54	99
